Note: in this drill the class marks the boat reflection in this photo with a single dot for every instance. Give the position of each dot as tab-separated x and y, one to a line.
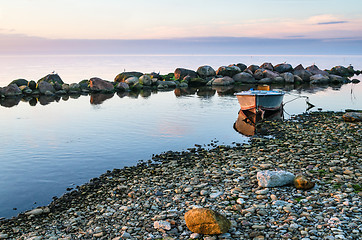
248	122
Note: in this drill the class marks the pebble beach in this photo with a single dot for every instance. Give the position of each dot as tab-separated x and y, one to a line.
149	201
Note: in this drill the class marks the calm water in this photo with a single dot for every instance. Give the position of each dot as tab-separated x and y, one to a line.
47	148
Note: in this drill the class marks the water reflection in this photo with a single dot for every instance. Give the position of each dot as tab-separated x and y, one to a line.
249	122
204	92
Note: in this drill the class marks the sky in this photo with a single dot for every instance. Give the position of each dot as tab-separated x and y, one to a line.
33	20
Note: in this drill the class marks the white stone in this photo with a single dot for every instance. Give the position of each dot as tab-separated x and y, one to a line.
162	225
194	236
215	195
274	178
36	211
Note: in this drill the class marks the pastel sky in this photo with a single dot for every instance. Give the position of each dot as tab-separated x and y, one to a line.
154	19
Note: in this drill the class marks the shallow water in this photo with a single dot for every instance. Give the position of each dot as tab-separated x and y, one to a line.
61	143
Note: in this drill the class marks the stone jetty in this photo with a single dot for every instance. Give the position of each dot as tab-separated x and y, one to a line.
234	74
155	199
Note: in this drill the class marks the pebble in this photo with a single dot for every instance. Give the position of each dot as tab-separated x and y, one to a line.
149	201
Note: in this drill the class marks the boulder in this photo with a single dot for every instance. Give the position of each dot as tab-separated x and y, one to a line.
145	80
224	81
11	91
206	71
274	178
352	117
20	82
283	67
52	78
319	79
278	80
156	76
244	77
315	70
166	84
241	66
196	81
253	68
45	87
303	74
206	221
84	84
65	87
288	77
299	67
228	71
180	73
336	78
248	71
123	76
270	74
32	85
342	71
303	182
122	86
26	90
258	74
74	88
100	85
267	66
132	81
355	80
297	79
265	81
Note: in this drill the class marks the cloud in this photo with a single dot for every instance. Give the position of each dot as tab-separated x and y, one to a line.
332	22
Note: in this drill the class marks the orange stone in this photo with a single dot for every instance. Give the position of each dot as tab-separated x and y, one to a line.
206	221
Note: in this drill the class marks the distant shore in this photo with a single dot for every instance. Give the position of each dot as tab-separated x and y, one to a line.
126	203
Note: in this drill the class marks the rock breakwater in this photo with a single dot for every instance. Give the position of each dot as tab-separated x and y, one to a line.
149	201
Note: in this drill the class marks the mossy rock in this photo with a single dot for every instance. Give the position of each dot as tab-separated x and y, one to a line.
123	76
20	82
84	84
52	79
169	77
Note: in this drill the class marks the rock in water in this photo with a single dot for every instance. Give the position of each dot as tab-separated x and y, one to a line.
303	182
274	178
100	85
206	221
206	71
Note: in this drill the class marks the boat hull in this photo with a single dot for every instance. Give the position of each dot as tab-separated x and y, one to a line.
265	100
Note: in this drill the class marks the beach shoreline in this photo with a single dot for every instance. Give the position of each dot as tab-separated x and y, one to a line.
126	203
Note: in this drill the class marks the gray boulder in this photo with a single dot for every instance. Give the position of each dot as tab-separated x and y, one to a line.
274	178
11	91
278	80
258	74
122	86
145	80
283	67
196	81
65	87
52	78
100	85
224	81
297	79
244	78
132	81
180	73
45	87
206	71
303	74
288	77
336	78
123	76
315	70
265	81
166	84
267	66
319	79
74	88
228	71
242	66
253	68
270	74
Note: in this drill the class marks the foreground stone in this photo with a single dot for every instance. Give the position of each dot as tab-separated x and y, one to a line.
353	117
274	178
206	221
303	182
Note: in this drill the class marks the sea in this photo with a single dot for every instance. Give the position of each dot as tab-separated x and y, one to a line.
53	145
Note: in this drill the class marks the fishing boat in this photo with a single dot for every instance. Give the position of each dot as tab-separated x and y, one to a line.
260	100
